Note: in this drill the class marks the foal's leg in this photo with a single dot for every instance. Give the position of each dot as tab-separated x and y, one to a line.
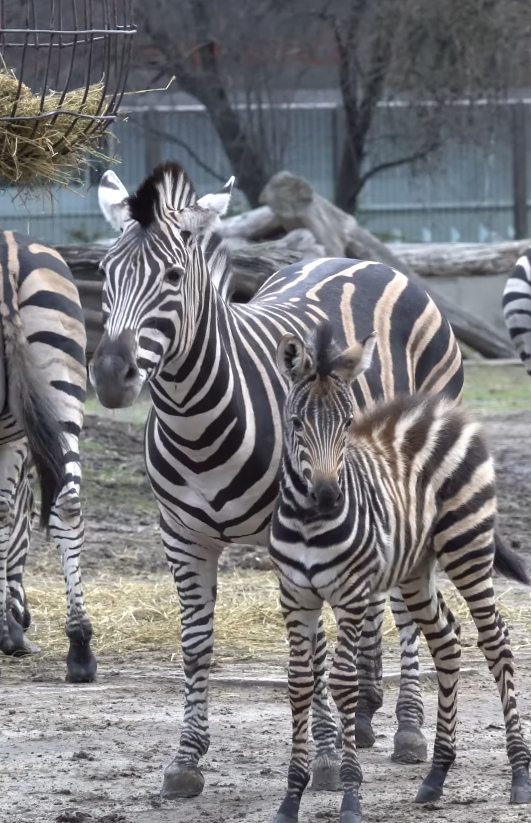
430	613
343	683
302	627
24	512
325	767
194	569
493	639
410	744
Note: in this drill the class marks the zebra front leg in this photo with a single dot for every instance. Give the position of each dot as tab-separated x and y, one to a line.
194	570
410	745
343	683
68	533
325	767
303	626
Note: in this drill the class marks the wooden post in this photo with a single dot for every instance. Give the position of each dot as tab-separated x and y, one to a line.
519	170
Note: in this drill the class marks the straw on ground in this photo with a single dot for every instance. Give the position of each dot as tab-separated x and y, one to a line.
132	616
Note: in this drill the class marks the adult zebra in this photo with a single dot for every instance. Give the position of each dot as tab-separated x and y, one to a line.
517	308
213	435
42	396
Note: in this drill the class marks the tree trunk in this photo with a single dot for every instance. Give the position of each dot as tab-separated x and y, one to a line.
347	187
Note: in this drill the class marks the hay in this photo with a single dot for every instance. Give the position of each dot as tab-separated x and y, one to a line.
50	150
132	617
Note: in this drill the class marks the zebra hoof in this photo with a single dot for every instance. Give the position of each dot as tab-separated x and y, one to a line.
350	809
81	664
431	788
521	787
410	746
288	811
182	780
325	773
365	737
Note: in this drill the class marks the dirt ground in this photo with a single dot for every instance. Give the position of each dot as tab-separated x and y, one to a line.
96	753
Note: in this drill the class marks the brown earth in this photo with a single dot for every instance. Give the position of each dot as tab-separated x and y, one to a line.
96	753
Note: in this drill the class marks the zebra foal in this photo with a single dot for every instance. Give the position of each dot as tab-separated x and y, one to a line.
373	502
517	308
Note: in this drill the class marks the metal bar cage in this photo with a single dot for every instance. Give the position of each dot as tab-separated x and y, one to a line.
65	45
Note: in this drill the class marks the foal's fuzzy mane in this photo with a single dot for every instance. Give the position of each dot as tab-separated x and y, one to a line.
325	352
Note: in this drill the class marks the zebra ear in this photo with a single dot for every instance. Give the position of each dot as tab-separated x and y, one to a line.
355	360
204	214
293	360
112	198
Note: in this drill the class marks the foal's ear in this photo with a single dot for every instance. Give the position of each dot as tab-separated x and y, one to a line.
355	360
292	358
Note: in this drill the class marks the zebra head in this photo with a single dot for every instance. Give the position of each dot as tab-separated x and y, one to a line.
154	278
319	409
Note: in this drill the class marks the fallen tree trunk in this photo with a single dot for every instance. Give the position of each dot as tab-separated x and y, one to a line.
255	224
460	259
297	205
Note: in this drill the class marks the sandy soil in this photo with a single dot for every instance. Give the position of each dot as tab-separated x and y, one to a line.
96	753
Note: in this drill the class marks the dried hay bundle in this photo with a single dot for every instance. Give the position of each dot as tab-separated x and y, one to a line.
50	149
131	617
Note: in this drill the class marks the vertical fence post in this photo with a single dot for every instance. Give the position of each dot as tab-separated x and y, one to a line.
519	170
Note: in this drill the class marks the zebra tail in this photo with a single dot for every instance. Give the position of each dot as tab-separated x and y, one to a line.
509	563
30	405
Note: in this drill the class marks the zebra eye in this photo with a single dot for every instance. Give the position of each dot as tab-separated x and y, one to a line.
297	423
348	423
173	274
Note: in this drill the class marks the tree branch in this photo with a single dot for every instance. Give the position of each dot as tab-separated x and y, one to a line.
401	161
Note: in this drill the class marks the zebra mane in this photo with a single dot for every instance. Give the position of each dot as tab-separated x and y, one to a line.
325	354
218	258
168	186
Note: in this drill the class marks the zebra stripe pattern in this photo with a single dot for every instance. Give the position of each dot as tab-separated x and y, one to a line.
517	308
213	436
370	503
43	338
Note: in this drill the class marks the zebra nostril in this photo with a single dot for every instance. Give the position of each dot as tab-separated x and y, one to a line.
131	374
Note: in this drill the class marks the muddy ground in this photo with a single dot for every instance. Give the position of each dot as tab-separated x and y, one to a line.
96	753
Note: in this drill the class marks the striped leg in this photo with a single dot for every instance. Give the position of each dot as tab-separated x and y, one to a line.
325	767
409	744
194	570
343	683
13	456
68	532
493	640
24	515
430	613
302	625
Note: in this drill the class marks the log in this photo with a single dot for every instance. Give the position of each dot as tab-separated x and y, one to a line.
255	224
460	259
297	205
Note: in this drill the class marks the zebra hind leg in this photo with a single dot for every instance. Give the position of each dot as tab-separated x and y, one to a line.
325	767
493	640
430	613
410	745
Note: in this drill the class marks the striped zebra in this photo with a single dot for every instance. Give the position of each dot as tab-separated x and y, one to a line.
213	434
372	502
42	388
517	308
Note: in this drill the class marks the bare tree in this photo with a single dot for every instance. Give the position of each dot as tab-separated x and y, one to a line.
428	55
227	57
